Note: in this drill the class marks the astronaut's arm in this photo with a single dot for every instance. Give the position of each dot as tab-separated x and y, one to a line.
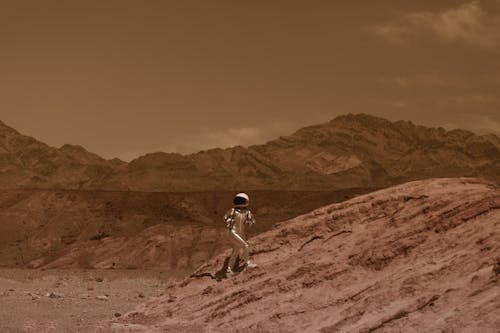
250	218
228	218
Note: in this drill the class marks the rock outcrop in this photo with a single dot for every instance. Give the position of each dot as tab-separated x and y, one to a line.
108	229
418	257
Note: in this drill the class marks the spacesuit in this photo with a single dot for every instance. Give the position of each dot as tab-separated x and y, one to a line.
237	218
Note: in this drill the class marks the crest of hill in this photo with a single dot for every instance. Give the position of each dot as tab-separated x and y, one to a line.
422	256
349	151
27	162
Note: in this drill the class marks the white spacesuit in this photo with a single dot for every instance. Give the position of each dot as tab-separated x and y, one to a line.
237	218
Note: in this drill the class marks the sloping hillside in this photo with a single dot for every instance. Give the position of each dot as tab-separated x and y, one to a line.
109	229
418	257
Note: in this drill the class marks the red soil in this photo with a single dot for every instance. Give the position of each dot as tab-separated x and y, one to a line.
418	257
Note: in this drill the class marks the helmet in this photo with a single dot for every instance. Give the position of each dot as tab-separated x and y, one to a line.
241	200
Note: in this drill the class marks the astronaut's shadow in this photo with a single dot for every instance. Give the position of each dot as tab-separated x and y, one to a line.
239	266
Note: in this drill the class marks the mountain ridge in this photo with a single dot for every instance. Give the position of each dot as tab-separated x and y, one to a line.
353	150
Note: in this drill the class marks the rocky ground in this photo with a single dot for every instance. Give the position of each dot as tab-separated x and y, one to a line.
420	257
72	300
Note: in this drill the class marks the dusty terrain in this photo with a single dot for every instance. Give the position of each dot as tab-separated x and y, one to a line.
349	151
72	300
420	257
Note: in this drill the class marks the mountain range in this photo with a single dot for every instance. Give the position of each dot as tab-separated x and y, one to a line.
354	150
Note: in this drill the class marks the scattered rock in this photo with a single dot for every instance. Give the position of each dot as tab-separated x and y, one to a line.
53	295
60	283
33	296
102	297
207	290
118	314
496	267
141	295
99	279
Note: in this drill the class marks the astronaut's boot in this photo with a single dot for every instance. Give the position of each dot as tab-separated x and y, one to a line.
250	264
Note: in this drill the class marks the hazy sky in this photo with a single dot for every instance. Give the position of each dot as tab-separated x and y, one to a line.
123	78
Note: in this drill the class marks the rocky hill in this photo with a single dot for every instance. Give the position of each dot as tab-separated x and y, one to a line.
109	229
418	257
26	162
349	151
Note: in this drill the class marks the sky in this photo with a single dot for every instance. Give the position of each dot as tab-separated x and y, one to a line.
125	78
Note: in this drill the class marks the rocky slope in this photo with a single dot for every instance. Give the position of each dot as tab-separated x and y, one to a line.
349	151
106	229
418	257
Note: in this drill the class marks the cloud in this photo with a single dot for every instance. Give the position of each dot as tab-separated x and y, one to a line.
486	124
399	104
425	79
469	23
209	138
236	136
480	124
206	138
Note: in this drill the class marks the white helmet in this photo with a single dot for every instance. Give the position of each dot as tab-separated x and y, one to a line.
241	200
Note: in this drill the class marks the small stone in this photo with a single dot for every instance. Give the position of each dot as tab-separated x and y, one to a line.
496	267
207	290
118	314
99	279
59	284
53	295
141	295
102	297
90	288
33	296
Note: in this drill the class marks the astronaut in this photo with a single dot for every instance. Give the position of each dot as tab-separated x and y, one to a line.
237	218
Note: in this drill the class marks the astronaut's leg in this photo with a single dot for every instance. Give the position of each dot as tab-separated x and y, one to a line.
238	244
232	258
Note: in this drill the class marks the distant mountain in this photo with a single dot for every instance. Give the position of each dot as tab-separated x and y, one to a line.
26	162
349	151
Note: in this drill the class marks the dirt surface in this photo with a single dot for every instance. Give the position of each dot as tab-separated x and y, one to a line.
72	300
420	257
